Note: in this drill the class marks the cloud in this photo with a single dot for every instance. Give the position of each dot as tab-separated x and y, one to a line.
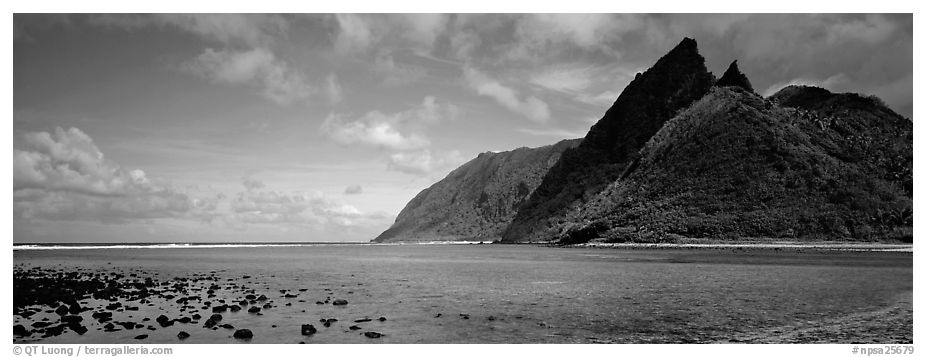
354	33
384	130
64	176
257	67
564	79
250	183
333	89
423	163
249	29
271	207
553	132
375	129
353	190
396	74
530	107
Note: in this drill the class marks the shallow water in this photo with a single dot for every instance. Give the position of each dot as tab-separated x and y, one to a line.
511	293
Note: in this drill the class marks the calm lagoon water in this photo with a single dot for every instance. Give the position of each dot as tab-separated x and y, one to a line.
509	293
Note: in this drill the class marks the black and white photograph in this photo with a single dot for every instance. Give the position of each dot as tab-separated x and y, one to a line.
184	178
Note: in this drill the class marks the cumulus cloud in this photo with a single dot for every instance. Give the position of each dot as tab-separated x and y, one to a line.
353	190
271	207
385	130
257	67
423	163
64	176
529	107
250	183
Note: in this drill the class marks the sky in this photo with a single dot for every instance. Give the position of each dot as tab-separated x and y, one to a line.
321	127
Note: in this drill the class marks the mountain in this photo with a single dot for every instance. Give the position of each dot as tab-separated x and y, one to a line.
802	164
477	200
732	77
654	96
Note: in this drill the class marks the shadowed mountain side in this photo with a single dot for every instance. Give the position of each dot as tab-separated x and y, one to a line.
734	78
673	83
804	164
477	200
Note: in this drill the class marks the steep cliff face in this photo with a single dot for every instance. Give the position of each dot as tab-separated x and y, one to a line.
477	200
804	164
672	84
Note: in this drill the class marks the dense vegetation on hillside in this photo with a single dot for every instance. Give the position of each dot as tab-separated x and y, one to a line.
674	82
477	200
805	164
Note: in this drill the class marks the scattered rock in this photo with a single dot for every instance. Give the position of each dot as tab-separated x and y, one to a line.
141	337
339	302
243	334
308	329
183	335
371	334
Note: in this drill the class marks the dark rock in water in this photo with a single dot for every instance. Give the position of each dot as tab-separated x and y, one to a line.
339	302
363	320
197	316
242	303
210	323
71	319
381	319
185	320
267	306
77	327
141	337
490	318
216	317
109	327
254	310
734	78
220	308
102	316
354	327
308	329
62	310
262	298
319	303
250	297
243	334
438	315
20	330
464	316
372	334
227	326
235	308
41	324
183	335
74	308
114	306
164	321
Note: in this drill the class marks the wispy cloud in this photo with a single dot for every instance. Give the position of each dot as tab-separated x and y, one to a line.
530	107
423	163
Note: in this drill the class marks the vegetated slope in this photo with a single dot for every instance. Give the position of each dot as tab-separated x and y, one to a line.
803	164
673	83
478	199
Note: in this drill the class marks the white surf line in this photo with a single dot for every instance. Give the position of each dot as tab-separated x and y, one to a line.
831	246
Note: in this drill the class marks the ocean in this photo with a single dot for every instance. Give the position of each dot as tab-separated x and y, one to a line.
476	293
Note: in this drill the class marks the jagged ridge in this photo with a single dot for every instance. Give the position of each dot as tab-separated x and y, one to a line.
673	83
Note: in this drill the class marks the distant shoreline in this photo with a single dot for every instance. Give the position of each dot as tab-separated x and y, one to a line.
846	246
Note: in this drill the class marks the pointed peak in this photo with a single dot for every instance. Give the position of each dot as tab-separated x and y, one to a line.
734	78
